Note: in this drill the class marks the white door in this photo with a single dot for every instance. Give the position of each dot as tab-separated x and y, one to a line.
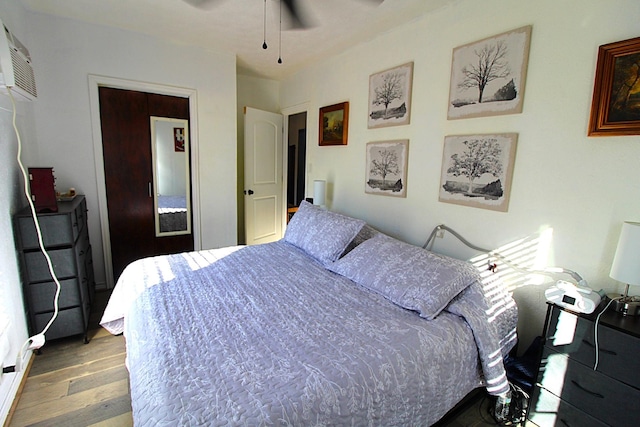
263	180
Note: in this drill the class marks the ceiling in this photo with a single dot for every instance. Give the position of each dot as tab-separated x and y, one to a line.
237	26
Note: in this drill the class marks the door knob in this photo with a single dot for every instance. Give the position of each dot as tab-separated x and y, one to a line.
249	192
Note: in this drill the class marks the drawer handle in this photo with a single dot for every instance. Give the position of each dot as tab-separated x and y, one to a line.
602	350
593	393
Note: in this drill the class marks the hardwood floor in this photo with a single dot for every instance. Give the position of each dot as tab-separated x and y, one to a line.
75	384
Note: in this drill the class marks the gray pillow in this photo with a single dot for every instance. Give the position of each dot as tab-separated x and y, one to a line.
408	275
320	233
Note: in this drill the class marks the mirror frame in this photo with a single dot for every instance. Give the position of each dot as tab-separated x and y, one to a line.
184	123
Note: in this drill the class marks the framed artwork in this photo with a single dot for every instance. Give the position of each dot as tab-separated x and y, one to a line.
386	172
477	170
334	124
615	109
488	76
390	97
178	139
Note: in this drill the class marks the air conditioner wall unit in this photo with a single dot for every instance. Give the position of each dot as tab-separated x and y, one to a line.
16	71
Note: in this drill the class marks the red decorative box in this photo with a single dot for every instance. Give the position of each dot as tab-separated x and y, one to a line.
43	191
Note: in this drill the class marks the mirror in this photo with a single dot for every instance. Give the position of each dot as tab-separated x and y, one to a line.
171	176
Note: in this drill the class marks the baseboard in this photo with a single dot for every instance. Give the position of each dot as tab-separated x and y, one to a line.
15	390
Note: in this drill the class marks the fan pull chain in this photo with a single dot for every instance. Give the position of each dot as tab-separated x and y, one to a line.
280	41
264	26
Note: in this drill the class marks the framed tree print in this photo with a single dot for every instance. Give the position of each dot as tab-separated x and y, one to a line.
390	97
488	76
477	170
386	172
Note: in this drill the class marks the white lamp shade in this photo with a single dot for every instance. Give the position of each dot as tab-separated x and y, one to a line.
626	263
319	192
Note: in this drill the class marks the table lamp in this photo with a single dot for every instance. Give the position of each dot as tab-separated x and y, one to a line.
626	267
319	193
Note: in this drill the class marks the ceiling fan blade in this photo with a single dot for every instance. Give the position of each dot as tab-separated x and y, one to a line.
297	18
202	4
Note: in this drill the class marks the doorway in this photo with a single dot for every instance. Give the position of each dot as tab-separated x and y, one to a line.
128	168
296	161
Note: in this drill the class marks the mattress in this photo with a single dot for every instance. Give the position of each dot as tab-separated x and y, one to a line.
269	335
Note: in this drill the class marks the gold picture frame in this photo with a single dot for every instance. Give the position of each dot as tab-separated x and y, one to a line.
615	107
334	124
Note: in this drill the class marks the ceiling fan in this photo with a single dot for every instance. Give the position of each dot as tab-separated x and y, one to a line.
298	19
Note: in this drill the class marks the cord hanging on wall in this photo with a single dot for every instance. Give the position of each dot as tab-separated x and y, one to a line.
280	37
264	26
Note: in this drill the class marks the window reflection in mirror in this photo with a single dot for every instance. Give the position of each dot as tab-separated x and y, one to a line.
172	194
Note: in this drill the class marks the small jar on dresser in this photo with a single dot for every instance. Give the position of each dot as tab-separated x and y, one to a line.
66	239
584	380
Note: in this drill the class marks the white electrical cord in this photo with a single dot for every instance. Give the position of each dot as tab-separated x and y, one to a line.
36	341
595	330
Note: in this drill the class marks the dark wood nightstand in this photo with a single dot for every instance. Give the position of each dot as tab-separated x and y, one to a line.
568	391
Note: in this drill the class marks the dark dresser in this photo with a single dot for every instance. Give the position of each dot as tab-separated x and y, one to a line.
66	238
568	391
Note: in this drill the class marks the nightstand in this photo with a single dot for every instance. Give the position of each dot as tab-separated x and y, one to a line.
568	391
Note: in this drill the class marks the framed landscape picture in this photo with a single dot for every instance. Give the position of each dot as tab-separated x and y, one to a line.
615	109
488	76
386	172
334	124
477	170
390	97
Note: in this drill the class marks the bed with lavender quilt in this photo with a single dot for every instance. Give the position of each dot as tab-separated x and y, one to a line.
335	324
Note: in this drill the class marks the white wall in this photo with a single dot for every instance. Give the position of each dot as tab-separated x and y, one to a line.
580	188
65	52
11	200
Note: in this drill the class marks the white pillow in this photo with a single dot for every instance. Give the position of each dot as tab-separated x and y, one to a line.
407	275
322	234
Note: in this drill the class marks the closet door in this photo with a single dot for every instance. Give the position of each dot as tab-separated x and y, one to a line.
126	140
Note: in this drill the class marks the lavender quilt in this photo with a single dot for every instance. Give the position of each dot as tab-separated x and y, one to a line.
270	335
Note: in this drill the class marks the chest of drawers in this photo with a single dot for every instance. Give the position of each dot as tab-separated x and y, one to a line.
66	238
569	391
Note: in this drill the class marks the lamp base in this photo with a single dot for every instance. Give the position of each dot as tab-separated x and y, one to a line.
625	305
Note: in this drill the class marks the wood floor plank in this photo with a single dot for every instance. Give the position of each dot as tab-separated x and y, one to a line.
124	420
74	372
103	412
43	393
96	397
96	379
66	354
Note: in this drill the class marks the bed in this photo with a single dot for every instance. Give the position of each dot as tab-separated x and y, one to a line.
335	324
172	211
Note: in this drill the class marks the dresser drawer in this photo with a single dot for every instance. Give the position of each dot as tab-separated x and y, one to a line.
41	295
549	410
57	230
68	322
618	352
588	390
37	269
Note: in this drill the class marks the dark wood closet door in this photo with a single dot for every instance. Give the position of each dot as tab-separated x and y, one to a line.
126	142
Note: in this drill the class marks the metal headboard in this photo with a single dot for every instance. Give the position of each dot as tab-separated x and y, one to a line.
547	271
